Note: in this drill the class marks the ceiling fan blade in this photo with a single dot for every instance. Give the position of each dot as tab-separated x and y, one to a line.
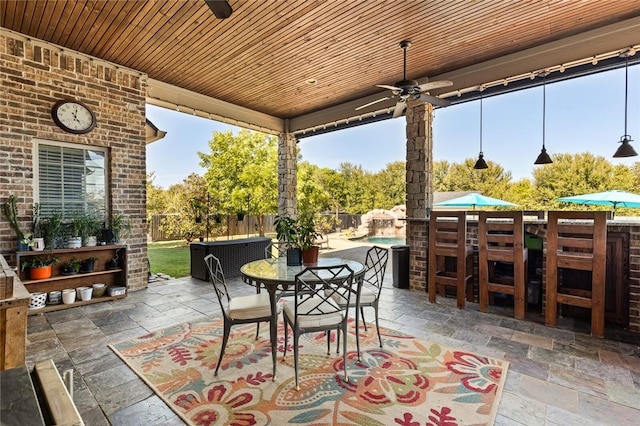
384	86
435	85
374	102
397	112
220	8
435	101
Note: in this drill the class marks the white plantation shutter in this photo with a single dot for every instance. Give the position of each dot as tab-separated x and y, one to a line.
71	179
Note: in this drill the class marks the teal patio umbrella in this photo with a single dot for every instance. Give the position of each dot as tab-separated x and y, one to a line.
614	198
474	200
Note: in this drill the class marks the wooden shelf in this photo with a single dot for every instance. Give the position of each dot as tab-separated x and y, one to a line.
60	306
73	276
59	281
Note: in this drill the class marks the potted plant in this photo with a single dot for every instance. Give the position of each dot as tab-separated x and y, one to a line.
72	267
87	264
39	266
287	230
301	236
307	237
51	229
120	226
114	263
10	213
91	225
75	226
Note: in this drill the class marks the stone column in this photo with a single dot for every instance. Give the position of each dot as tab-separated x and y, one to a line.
419	189
287	180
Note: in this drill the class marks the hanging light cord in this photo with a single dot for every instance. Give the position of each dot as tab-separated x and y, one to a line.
626	90
481	89
544	94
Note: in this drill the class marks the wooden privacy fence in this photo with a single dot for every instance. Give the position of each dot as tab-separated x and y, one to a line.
247	226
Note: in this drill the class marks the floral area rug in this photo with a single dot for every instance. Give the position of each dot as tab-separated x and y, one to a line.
409	382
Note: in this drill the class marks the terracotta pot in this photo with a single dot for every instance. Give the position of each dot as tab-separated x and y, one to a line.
40	273
310	255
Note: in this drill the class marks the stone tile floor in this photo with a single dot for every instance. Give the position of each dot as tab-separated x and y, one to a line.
557	376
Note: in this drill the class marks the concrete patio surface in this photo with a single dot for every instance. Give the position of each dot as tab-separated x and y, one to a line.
557	376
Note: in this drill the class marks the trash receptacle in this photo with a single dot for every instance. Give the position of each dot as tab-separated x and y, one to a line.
400	261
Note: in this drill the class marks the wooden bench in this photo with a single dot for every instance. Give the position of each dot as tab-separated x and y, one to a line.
56	396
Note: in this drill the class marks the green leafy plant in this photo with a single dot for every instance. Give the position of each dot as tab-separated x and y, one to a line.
119	225
39	262
307	234
10	213
299	233
72	266
51	229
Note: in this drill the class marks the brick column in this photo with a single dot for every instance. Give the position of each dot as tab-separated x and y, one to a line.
287	180
419	189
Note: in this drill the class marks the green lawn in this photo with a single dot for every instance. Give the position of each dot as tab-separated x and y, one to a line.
170	257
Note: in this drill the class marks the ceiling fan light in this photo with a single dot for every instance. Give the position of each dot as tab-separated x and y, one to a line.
543	158
220	8
625	149
480	163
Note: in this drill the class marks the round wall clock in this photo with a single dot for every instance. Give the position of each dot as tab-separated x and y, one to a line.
73	117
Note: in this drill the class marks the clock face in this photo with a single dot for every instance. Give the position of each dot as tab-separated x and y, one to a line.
73	117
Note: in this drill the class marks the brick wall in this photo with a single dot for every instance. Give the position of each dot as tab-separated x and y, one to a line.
35	75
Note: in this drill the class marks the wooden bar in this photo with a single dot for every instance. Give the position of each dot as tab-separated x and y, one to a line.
13	324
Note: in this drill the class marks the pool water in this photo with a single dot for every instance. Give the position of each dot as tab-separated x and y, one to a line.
392	241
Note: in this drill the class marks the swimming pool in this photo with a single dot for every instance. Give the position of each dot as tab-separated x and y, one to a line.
392	241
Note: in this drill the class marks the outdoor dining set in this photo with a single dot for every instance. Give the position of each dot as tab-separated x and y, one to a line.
312	298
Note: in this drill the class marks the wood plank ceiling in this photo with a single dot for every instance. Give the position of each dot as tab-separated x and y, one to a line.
261	57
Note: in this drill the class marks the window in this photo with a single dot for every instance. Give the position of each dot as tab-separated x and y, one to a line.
71	178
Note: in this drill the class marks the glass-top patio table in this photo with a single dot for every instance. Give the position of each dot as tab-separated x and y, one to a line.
275	275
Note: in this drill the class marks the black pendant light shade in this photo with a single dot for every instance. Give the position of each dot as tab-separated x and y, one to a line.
543	157
625	149
220	8
480	163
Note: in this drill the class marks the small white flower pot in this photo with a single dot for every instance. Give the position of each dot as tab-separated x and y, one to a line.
85	293
38	244
74	242
68	296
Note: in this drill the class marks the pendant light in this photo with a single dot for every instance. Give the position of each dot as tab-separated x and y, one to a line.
543	158
480	163
625	149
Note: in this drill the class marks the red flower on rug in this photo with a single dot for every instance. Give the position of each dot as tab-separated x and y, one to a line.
222	403
384	378
480	374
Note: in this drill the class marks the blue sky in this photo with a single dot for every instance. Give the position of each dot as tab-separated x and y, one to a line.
584	114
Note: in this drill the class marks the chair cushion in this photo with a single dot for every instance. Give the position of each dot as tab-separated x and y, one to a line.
247	307
366	297
310	321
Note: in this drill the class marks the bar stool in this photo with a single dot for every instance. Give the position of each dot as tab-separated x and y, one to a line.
450	258
582	245
501	239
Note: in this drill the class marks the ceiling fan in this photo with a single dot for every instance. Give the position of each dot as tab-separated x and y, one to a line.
410	89
220	8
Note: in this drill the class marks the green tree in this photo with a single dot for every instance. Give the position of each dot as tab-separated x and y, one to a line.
242	172
186	208
156	198
493	181
389	186
574	174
